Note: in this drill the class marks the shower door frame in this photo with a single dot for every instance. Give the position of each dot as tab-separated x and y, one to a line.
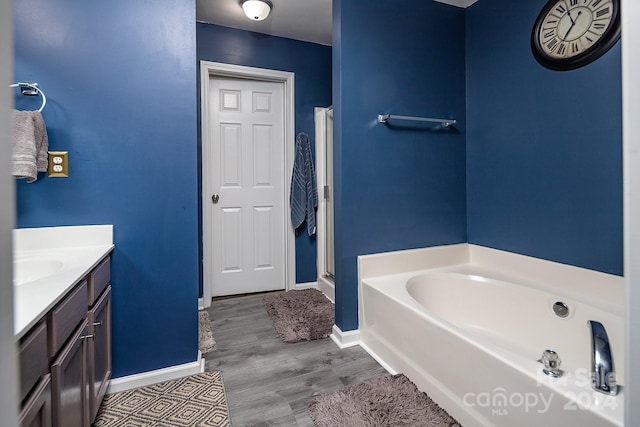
324	284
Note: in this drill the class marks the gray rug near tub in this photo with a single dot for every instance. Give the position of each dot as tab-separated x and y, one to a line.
388	401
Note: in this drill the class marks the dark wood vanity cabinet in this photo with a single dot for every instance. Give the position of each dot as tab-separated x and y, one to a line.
65	359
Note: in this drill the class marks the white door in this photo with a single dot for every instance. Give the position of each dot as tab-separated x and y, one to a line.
248	181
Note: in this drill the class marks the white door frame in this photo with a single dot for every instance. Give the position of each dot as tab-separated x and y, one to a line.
216	69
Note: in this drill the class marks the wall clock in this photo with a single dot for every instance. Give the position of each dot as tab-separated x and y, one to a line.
572	33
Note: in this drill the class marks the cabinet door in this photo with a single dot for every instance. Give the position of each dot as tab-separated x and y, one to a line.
37	409
70	382
100	350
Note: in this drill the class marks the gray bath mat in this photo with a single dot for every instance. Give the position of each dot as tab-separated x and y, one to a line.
391	400
300	315
205	334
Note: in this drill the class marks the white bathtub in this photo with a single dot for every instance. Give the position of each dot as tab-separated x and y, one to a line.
470	327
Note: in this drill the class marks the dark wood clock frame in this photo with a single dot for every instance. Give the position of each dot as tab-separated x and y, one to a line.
606	42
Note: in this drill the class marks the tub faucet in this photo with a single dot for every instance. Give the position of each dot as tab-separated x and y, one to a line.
603	377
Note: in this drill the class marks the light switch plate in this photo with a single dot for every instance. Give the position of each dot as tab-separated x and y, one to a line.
58	164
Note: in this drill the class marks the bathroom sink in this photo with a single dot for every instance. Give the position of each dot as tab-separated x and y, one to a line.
29	268
48	262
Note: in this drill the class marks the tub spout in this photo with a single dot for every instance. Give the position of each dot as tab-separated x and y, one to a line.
603	377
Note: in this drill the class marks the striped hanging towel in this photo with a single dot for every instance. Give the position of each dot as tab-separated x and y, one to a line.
304	192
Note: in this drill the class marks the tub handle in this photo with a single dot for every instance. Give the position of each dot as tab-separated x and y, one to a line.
551	362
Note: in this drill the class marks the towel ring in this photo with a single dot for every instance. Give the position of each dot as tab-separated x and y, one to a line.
34	86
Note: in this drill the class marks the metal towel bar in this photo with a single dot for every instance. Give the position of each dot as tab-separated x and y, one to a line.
383	118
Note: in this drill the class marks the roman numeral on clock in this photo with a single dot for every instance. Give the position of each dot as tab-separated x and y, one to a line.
562	48
561	8
575	47
602	12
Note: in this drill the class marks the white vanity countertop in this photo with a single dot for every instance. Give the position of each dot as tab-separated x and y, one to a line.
78	248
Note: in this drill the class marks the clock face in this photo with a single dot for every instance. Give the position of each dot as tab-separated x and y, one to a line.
572	33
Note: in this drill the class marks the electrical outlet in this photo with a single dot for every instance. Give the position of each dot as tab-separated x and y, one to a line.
58	164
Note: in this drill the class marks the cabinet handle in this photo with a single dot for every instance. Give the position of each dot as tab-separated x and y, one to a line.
99	324
91	336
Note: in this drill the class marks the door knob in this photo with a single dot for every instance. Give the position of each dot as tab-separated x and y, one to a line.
215	198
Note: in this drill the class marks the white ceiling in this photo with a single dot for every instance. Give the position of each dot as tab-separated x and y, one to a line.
307	20
459	3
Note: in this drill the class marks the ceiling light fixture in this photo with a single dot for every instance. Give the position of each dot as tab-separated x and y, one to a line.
256	10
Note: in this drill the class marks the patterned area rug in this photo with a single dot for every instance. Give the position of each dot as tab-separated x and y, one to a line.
391	400
194	401
300	315
205	334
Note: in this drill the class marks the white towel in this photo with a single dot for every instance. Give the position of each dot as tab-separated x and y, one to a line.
30	145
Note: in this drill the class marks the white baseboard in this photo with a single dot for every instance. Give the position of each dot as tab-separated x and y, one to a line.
307	285
201	304
159	375
345	339
378	359
327	288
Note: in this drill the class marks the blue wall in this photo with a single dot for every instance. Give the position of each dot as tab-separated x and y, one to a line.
121	84
544	148
396	187
311	64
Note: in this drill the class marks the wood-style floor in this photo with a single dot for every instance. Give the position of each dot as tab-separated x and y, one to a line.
269	382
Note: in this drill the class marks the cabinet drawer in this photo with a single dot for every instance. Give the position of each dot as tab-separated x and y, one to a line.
99	279
64	318
34	362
